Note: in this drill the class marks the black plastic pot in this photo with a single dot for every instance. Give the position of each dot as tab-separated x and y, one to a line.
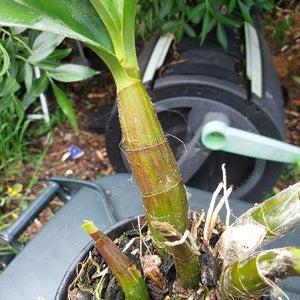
113	232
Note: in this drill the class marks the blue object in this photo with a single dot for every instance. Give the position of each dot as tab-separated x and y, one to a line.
75	152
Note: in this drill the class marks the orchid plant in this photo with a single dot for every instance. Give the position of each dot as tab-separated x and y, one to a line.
108	28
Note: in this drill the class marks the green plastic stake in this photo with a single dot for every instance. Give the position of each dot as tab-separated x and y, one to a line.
217	135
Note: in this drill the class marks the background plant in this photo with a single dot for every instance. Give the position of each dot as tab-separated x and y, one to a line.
30	62
186	16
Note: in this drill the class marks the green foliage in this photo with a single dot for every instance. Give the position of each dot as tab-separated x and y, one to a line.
12	130
184	16
291	173
278	28
24	52
296	79
21	53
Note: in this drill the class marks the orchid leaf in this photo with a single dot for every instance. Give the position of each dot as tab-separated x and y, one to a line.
4	65
128	29
81	22
111	20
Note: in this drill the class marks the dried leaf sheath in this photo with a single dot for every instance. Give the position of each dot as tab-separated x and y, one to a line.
127	274
261	224
254	276
151	159
185	258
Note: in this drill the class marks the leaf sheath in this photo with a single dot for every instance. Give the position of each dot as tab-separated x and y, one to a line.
261	224
151	159
185	258
251	278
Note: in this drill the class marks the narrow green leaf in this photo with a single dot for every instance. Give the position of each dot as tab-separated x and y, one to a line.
65	105
19	109
171	26
71	73
205	27
5	60
197	10
21	71
110	17
165	9
59	54
9	86
47	64
221	36
249	3
226	20
32	36
267	5
17	30
45	40
245	12
44	45
5	102
189	30
25	125
28	99
13	67
231	6
128	34
197	19
179	34
181	5
9	45
39	85
28	76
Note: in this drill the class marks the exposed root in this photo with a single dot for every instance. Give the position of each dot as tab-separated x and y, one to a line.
228	212
186	235
178	139
207	226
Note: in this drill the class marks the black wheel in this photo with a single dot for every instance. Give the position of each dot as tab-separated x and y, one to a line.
201	81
